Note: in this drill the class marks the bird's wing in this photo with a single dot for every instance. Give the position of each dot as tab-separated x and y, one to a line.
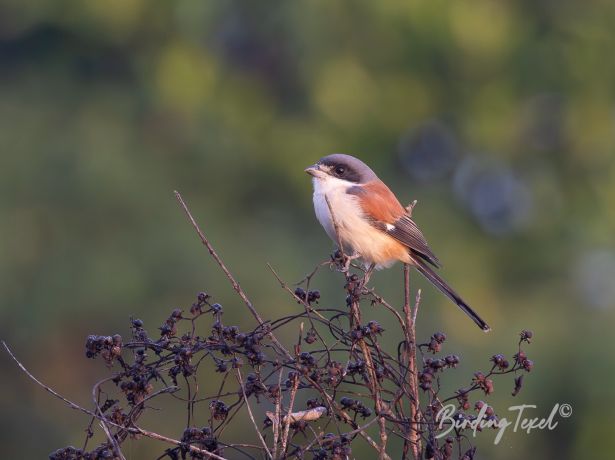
387	214
406	232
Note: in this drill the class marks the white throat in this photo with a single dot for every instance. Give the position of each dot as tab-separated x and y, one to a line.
344	205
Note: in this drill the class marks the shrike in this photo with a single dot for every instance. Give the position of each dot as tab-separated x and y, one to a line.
371	222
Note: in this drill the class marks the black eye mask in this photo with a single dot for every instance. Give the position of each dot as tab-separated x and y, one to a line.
344	172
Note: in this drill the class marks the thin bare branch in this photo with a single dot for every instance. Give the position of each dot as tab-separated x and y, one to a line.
133	430
339	369
286	421
245	398
229	275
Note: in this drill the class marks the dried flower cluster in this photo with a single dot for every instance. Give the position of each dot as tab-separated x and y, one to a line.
346	379
337	389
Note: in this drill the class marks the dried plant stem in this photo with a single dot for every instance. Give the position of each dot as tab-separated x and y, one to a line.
372	383
302	301
414	435
343	415
229	275
358	430
116	448
104	422
245	398
196	450
287	421
336	228
338	361
70	404
132	430
278	415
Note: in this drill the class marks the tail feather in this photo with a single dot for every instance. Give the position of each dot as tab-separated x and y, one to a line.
438	282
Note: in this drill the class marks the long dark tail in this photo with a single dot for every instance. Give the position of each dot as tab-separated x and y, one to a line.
438	282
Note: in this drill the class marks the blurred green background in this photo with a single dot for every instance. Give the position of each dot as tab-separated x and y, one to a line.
498	117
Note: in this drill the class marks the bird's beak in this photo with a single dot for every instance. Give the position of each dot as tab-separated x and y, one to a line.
314	170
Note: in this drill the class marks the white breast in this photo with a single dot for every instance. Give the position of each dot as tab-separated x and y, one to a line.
357	235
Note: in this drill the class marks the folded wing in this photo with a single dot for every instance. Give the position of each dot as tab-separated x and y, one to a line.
388	215
406	232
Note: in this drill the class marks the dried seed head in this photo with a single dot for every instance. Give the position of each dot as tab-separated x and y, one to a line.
526	336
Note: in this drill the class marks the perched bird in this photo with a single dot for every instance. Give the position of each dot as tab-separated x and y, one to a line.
371	222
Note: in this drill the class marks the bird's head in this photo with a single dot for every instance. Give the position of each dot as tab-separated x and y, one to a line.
341	167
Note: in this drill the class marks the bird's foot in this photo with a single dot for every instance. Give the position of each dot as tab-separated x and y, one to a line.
347	262
343	262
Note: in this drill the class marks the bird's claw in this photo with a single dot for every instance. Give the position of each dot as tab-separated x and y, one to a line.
343	262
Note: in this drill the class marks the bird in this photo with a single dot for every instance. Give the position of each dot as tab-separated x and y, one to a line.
370	223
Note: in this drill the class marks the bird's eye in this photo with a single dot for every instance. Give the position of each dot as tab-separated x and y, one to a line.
340	170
